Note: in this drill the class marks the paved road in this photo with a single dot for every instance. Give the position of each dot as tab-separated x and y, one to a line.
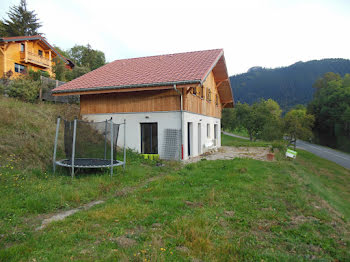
340	158
335	156
229	134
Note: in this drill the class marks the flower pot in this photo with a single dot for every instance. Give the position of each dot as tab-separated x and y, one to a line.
270	156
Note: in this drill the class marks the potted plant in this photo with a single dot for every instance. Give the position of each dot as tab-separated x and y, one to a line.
271	155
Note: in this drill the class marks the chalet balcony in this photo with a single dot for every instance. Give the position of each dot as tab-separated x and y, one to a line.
35	59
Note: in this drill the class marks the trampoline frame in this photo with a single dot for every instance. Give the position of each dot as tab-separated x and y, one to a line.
113	162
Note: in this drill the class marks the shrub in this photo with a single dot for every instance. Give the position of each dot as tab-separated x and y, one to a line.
24	89
35	75
2	89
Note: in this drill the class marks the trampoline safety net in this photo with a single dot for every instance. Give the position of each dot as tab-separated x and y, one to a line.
95	144
93	139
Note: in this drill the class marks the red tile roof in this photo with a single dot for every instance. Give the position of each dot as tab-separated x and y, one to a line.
181	68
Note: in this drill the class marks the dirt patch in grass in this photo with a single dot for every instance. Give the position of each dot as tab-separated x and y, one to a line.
64	214
128	190
229	213
125	242
298	220
227	152
193	204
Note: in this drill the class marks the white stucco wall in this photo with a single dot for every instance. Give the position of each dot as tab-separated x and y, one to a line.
165	120
205	141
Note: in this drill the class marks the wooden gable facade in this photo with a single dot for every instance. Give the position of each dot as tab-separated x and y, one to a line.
23	53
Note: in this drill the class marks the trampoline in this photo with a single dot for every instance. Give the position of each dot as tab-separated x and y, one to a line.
89	145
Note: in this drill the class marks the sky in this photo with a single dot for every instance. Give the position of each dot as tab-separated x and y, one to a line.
267	33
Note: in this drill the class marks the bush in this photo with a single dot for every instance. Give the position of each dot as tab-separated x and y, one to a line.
35	75
2	89
24	88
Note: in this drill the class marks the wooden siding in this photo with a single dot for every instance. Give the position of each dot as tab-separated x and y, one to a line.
156	100
199	103
10	54
142	101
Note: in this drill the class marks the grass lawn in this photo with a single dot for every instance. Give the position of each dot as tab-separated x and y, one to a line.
224	210
236	141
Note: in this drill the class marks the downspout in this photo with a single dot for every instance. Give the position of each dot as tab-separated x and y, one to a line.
181	111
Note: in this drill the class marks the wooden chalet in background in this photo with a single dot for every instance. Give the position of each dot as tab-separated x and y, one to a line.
22	53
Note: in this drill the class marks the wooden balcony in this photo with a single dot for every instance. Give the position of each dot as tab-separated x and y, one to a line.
29	57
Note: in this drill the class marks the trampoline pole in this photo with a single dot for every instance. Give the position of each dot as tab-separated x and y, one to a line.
55	146
124	143
111	148
73	146
106	140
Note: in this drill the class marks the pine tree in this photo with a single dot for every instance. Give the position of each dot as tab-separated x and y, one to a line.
21	22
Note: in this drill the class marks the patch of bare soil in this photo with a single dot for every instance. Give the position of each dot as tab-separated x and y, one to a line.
228	152
63	215
193	204
125	242
182	249
127	190
298	220
229	213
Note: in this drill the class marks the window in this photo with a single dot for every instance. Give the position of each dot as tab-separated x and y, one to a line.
194	90
208	95
202	92
208	130
20	68
216	100
22	47
40	52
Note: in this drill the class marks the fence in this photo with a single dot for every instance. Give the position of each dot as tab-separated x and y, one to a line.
45	92
47	84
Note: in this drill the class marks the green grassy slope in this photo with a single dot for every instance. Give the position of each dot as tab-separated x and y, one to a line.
27	131
225	210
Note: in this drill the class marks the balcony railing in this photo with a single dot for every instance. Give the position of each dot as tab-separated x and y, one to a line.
35	59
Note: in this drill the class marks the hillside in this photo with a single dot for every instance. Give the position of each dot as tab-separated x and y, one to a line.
288	86
224	210
27	131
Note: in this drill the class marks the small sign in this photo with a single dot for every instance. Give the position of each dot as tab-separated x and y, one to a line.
291	153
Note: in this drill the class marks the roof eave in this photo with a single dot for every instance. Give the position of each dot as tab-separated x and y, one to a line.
212	67
126	86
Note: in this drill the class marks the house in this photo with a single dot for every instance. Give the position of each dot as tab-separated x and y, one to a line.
172	103
21	53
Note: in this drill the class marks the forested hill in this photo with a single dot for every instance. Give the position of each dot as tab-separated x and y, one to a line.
288	86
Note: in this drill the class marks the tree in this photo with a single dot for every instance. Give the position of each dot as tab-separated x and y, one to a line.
252	118
2	29
273	127
331	109
21	21
59	69
85	56
228	120
298	125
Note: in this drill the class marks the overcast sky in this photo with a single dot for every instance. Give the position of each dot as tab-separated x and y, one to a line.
268	33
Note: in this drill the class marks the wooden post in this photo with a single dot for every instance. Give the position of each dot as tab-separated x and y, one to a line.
26	51
41	89
55	98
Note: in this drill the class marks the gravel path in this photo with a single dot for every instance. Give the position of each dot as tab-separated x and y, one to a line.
228	152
